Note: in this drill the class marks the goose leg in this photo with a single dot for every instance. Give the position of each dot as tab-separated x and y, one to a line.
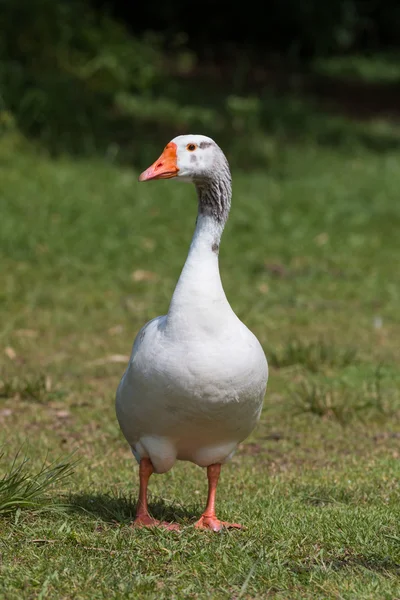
143	519
208	519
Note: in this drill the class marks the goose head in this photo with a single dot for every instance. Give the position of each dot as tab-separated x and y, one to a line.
192	158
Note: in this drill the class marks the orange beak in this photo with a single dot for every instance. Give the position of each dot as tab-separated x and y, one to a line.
164	167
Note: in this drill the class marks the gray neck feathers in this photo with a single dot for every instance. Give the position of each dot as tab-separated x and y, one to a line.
215	193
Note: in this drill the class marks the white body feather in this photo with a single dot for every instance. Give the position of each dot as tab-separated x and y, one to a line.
196	380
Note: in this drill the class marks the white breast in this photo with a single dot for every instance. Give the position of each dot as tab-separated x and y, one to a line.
196	380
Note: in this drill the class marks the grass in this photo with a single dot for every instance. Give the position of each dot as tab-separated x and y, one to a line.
335	399
88	255
312	354
22	489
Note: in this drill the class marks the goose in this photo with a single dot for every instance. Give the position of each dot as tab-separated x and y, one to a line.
196	379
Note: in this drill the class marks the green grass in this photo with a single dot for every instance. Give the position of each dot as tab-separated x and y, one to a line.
312	354
22	489
308	261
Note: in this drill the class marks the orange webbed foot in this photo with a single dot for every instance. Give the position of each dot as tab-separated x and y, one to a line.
147	521
213	524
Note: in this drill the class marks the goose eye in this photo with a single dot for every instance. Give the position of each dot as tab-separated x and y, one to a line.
191	147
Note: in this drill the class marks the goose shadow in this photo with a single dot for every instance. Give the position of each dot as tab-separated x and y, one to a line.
122	509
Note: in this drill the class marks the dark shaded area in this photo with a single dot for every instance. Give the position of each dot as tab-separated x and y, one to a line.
120	509
288	28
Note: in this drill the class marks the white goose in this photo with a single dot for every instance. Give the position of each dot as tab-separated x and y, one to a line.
195	383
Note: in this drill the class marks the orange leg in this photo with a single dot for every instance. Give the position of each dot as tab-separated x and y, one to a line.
208	519
143	519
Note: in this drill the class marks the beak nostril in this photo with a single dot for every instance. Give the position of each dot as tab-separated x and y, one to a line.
164	167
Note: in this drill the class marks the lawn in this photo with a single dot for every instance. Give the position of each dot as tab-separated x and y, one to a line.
309	261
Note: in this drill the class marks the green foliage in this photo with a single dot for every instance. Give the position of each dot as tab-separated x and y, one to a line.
76	81
376	68
62	67
24	488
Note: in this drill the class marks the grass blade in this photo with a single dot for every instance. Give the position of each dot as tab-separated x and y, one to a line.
24	488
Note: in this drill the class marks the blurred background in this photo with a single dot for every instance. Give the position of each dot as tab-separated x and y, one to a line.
97	77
